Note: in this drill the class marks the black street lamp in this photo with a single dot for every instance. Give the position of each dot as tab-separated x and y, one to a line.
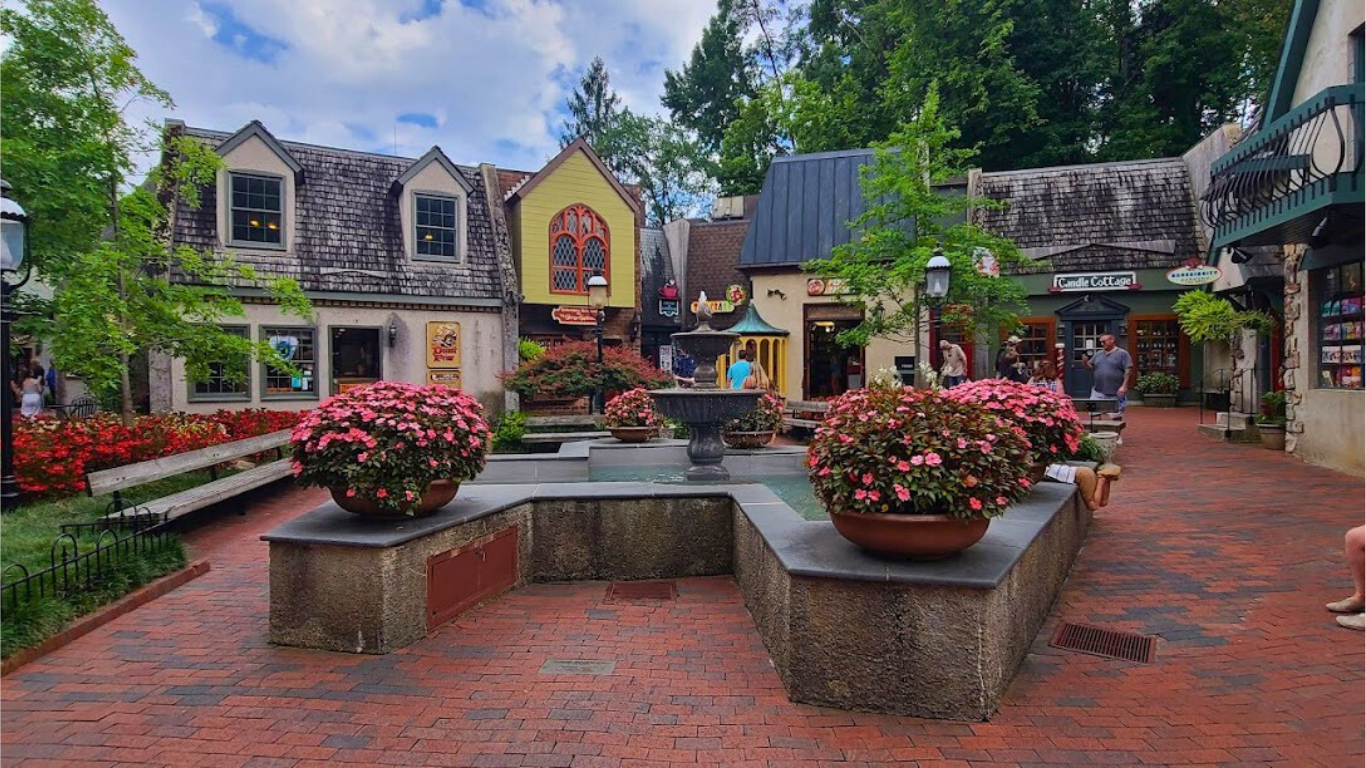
13	237
597	299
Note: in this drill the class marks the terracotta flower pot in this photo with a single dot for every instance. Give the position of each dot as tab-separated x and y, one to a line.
921	537
743	440
438	495
634	434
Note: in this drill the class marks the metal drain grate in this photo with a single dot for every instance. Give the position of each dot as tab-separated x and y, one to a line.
626	591
1109	643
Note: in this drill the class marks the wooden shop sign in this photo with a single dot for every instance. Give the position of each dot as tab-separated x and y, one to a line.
574	315
1095	281
443	345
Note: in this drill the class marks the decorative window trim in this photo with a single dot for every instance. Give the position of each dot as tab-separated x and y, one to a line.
263	333
558	228
460	226
232	242
224	397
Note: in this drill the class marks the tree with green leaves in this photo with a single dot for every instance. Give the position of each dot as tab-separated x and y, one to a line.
907	220
119	287
704	96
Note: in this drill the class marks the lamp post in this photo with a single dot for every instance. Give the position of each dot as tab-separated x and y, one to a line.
13	236
597	299
937	271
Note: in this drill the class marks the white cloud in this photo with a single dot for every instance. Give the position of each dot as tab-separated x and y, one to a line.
491	72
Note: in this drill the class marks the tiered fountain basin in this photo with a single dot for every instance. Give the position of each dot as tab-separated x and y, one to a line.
845	628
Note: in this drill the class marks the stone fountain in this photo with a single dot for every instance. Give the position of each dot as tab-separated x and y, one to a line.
705	407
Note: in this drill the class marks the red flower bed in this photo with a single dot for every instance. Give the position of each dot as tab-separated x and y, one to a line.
52	458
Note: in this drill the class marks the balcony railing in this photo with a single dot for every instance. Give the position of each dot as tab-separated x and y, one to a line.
1267	190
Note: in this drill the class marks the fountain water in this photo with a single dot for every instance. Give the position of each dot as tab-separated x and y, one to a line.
705	407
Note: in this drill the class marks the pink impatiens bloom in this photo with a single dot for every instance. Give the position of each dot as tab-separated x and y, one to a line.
917	460
382	494
902	493
933	459
860	494
974	503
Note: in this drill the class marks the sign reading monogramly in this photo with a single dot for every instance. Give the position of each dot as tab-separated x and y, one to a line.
1095	281
1196	275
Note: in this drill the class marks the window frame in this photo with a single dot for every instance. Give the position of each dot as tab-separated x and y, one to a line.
231	240
580	245
458	203
1318	298
263	333
1182	346
218	397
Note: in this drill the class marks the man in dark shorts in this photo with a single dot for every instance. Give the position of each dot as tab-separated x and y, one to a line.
1111	367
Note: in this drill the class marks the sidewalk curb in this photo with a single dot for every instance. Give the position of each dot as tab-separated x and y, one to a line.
136	599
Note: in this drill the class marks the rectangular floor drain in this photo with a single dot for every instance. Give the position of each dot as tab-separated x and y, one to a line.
1109	643
627	591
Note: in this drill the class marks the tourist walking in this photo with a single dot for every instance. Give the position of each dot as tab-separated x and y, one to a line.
758	378
1111	368
1008	365
738	371
30	393
954	371
1354	548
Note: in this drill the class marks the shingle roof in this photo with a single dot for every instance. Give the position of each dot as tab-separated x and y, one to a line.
714	249
1129	215
348	236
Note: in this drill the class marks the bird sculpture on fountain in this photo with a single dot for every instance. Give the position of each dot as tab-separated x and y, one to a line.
703	312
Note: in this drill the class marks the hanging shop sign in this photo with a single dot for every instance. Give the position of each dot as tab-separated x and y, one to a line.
1095	281
736	294
574	315
450	378
668	307
669	290
443	345
666	358
718	307
986	263
825	286
1196	275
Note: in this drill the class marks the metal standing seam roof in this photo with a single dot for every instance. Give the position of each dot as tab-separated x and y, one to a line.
805	208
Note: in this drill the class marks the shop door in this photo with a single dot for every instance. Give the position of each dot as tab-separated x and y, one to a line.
355	357
831	370
1083	323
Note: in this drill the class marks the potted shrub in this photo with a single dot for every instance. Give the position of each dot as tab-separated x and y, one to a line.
570	372
631	417
756	428
1271	421
1049	419
1158	389
916	473
392	449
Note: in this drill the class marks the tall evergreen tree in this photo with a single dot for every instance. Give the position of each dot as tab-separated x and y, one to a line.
594	108
704	95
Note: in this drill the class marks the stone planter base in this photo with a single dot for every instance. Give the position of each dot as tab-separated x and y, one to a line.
1273	436
1159	401
1108	442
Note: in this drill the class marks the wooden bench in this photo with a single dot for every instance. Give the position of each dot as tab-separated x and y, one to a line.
589	428
579	420
790	411
218	489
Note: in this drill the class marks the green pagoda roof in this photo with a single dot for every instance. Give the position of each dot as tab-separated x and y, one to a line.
754	325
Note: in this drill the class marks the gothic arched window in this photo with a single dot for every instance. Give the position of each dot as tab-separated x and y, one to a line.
580	244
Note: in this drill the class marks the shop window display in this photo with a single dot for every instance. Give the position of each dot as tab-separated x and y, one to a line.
1338	293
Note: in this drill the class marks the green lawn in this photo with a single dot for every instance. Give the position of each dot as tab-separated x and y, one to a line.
26	537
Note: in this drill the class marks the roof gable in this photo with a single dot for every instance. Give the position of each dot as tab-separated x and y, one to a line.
577	145
434	155
1293	47
255	130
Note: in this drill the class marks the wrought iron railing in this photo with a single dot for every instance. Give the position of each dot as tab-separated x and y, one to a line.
1234	390
70	570
1287	166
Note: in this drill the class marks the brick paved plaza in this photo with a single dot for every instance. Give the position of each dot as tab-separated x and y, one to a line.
1227	552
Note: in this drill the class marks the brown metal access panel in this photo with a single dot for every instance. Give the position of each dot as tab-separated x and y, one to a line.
458	579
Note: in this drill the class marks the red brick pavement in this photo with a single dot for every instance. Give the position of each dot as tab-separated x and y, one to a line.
1227	552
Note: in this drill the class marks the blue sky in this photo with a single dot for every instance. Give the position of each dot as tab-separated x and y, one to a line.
484	79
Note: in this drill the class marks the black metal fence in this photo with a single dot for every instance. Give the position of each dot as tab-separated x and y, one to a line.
71	571
1234	390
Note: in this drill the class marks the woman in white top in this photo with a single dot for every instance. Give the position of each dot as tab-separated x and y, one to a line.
31	394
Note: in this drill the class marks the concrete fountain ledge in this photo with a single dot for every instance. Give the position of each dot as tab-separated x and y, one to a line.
845	628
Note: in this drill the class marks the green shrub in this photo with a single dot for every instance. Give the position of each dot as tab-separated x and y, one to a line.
528	350
1157	383
1273	409
508	430
1087	450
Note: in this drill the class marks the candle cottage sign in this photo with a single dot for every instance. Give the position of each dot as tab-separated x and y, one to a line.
1095	281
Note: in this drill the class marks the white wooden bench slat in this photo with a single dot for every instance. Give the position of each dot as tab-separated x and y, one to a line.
201	496
130	475
815	406
563	437
581	420
807	423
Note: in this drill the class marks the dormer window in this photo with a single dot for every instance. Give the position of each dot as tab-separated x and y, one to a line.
437	232
257	211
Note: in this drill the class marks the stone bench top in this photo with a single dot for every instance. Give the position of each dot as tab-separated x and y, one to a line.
804	547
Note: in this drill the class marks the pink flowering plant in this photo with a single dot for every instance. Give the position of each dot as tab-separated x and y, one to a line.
632	409
917	452
1048	418
390	440
766	416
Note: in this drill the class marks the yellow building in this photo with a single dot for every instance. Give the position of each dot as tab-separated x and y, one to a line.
568	221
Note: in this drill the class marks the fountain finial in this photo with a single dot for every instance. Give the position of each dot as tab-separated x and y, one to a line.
703	312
